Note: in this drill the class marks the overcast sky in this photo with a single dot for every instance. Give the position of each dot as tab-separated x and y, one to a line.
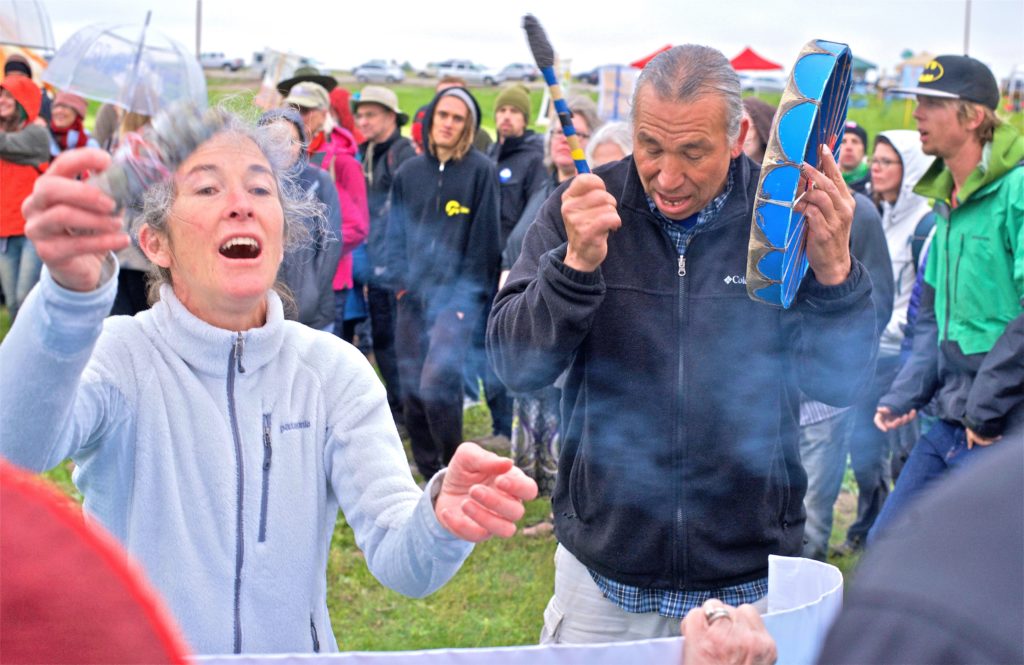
343	33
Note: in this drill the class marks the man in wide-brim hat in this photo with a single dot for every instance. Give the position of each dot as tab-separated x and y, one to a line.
310	74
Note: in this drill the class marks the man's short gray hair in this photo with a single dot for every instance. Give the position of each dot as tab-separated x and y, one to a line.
689	72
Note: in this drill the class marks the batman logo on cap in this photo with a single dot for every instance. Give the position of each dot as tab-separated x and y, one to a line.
933	72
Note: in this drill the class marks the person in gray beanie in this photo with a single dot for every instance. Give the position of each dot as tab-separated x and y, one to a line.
443	251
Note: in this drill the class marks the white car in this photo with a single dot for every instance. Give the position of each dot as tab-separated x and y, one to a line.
220	61
520	71
471	73
378	71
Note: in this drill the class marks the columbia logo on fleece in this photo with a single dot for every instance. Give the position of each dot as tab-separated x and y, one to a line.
453	208
735	279
287	427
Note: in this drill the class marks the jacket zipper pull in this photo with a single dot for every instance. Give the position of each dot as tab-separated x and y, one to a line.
239	347
682	265
267	450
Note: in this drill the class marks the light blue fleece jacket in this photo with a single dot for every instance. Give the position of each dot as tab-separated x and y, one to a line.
220	459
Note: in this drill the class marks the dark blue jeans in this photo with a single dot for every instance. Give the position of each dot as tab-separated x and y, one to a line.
869	451
431	354
942	448
381	302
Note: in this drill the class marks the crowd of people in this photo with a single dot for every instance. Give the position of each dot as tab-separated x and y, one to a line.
683	431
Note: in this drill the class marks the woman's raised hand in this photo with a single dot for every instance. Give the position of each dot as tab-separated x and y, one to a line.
72	224
482	495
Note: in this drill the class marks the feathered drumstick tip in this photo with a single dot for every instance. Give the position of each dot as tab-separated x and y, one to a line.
543	54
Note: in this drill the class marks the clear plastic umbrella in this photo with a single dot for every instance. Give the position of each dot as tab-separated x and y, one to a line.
25	23
135	67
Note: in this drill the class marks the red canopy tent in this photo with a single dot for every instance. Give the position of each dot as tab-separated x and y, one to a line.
642	62
748	59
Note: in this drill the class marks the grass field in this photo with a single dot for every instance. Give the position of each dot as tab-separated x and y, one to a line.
497	598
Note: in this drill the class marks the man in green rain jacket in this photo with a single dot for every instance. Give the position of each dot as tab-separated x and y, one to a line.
969	338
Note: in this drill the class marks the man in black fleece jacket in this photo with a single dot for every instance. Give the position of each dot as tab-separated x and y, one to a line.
679	472
443	249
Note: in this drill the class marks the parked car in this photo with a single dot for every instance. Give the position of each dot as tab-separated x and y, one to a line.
590	76
480	75
520	71
471	73
444	67
379	71
220	61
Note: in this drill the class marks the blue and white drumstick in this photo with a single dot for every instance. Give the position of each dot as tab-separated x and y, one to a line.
544	56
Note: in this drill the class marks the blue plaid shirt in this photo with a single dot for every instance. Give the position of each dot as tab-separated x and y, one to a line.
682	231
670	602
674	603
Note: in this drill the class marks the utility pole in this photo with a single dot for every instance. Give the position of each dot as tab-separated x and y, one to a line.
199	26
967	28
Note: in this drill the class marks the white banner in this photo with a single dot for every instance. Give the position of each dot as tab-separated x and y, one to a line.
615	84
804	598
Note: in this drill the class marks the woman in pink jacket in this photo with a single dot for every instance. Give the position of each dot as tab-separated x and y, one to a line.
340	161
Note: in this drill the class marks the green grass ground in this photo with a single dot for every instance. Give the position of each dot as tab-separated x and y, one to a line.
497	598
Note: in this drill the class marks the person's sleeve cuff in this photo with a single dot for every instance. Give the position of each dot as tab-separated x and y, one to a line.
427	514
72	320
557	259
819	296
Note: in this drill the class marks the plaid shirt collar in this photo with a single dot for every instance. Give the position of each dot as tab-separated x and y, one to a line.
681	231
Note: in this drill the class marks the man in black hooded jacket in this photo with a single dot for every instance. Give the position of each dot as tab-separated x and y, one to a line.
443	249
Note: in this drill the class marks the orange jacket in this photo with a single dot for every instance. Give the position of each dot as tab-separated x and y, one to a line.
17	180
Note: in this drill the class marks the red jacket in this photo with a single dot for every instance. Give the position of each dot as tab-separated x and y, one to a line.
340	161
17	180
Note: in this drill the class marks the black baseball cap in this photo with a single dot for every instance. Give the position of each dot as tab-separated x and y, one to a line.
957	77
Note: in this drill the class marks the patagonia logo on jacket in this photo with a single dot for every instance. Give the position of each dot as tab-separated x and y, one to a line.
287	427
453	208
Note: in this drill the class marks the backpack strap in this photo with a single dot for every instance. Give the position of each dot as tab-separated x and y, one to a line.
920	235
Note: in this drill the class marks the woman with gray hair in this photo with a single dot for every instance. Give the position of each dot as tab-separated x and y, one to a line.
213	438
610	143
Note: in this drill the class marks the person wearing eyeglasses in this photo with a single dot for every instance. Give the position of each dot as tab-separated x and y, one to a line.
586	121
907	218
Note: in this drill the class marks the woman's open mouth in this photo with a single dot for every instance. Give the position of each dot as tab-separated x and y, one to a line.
241	248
